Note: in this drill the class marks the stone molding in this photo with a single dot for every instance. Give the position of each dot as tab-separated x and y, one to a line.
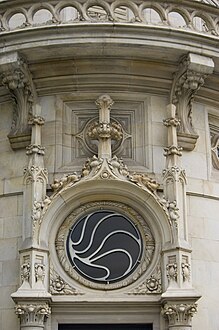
16	77
109	11
192	72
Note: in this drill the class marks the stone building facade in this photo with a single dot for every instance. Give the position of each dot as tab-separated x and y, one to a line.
109	166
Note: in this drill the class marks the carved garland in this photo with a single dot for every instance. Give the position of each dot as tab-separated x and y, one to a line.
149	243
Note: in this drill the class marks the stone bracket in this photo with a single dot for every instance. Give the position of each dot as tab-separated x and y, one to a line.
16	77
188	79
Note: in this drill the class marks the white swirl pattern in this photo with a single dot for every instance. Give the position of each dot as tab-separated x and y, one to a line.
104	246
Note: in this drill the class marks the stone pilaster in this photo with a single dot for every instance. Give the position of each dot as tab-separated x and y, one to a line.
179	297
16	77
35	181
32	296
189	78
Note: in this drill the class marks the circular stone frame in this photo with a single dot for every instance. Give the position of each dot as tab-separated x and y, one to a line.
148	242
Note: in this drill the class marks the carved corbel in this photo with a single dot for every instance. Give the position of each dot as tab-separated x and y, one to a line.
191	75
16	77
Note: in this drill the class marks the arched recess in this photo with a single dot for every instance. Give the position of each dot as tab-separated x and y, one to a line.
145	203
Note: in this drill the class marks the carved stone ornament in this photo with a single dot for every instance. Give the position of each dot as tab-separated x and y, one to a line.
186	271
173	211
172	272
88	138
39	272
179	314
17	79
38	210
98	168
25	272
59	287
35	173
151	285
174	173
147	237
33	314
191	74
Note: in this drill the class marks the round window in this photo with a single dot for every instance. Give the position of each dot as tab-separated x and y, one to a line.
104	246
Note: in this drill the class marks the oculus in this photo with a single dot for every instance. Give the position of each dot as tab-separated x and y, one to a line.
104	246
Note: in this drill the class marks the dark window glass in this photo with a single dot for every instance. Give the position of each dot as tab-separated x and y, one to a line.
105	327
104	246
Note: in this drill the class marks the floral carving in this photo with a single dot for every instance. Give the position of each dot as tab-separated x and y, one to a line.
179	314
150	286
173	211
105	131
186	272
172	272
143	180
39	272
33	314
25	272
67	180
59	287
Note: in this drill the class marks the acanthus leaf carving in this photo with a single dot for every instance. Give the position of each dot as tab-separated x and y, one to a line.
179	314
34	314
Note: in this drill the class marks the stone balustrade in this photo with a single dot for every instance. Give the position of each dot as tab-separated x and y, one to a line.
201	17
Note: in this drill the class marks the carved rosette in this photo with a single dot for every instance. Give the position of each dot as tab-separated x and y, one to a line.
179	314
33	314
59	287
152	285
19	83
192	72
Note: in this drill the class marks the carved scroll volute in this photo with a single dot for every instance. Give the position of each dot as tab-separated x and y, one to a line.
188	79
16	77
